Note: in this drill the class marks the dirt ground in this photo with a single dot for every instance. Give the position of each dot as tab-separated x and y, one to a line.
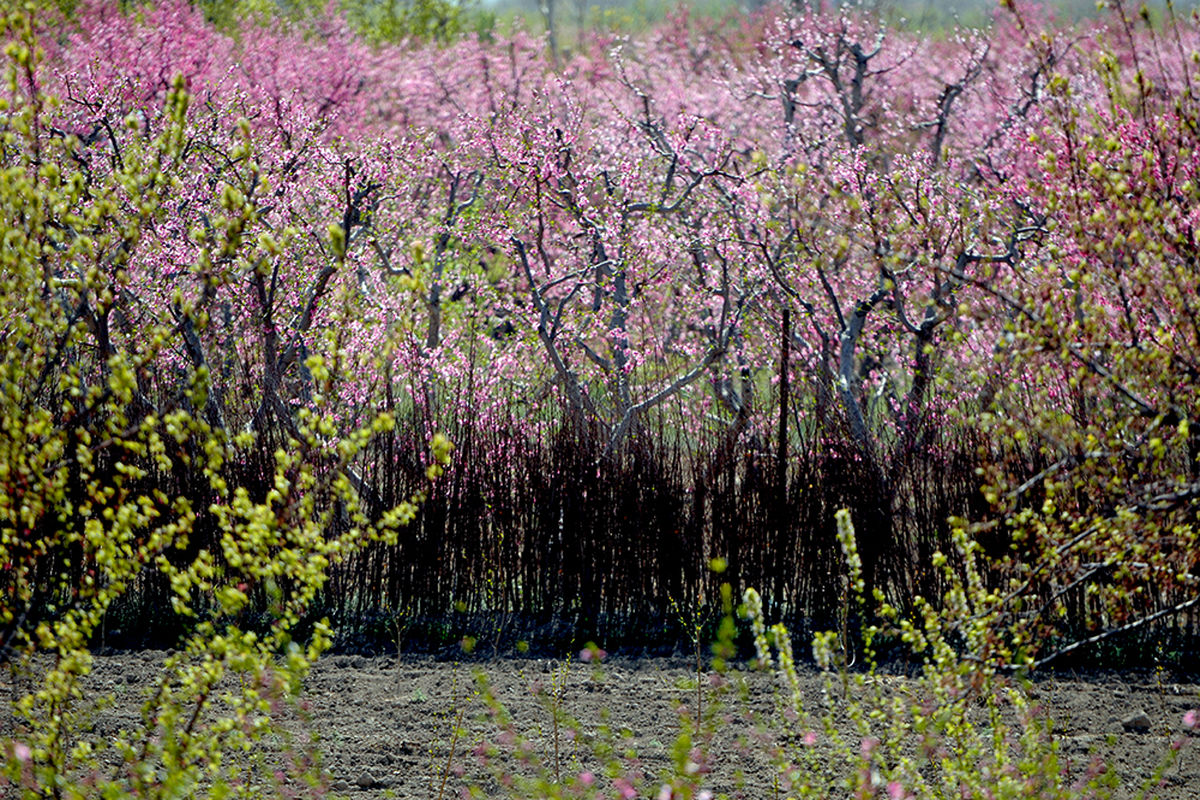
391	723
387	728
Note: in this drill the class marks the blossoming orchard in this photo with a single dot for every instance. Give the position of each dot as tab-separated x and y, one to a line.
319	332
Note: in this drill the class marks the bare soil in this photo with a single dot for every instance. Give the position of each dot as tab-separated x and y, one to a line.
386	728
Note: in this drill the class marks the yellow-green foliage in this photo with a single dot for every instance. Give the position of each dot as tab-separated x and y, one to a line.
375	20
79	522
963	727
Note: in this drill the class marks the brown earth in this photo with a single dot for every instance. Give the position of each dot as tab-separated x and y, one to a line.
386	727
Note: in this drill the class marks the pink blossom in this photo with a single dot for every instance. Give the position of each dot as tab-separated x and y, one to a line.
592	652
896	790
1191	719
21	752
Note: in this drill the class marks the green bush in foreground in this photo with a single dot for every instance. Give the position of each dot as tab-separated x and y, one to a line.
87	440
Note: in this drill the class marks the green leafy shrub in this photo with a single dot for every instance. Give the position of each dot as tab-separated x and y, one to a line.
89	440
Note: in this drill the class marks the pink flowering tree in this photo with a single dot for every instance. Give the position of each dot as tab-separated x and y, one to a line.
1098	360
806	244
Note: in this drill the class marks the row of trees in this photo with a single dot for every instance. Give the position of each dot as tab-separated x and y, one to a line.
674	299
801	248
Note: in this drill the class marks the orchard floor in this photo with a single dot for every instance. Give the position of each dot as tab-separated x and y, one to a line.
386	728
